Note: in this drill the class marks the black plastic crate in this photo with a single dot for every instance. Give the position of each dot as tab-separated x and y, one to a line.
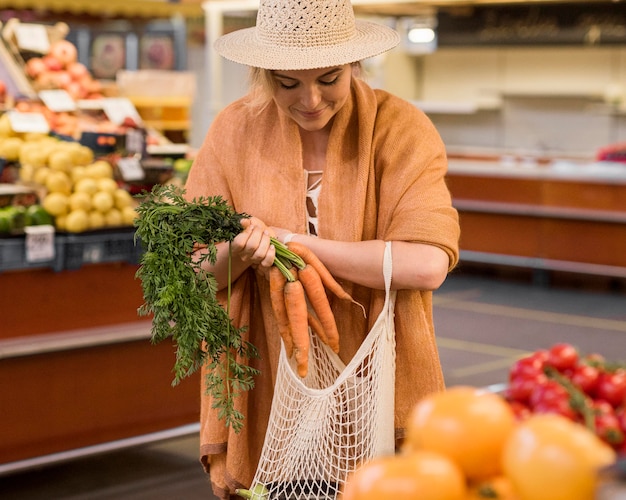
94	247
13	255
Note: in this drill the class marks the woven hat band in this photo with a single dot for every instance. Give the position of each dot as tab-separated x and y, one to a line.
305	24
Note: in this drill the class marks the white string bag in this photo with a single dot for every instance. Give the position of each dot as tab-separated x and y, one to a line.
323	426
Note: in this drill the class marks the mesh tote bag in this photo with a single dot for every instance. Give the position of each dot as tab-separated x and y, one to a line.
323	426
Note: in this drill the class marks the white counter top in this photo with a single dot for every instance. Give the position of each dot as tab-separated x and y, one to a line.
566	170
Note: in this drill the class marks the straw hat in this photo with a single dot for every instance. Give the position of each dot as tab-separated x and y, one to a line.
306	34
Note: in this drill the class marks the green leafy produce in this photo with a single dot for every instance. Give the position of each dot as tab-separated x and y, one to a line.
181	296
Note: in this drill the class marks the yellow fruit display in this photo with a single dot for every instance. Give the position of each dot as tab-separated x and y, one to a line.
96	220
86	185
40	175
58	182
129	214
100	169
102	201
122	199
77	221
113	217
56	204
10	148
80	200
60	160
107	184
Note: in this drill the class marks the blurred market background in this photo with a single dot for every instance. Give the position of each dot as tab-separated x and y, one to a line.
100	100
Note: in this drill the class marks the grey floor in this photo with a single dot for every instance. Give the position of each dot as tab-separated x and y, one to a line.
483	323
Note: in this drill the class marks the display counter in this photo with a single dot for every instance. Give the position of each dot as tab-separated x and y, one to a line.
560	215
78	366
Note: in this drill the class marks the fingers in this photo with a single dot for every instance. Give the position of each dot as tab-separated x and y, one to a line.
253	245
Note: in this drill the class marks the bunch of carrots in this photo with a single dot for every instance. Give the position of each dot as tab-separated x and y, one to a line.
298	284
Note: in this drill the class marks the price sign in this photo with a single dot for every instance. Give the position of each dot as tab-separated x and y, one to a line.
57	100
32	37
28	122
118	109
39	243
131	169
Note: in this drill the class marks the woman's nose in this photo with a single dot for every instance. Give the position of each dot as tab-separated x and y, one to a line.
311	97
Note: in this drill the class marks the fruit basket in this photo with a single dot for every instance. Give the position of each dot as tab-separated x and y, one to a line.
95	247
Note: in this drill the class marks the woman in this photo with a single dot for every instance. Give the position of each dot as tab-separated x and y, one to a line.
317	156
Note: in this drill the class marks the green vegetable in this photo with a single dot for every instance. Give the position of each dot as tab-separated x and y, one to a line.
182	296
258	492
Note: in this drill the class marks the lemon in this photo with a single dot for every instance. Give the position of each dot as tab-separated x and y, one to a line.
10	148
128	216
96	220
26	172
100	169
59	222
56	204
40	175
86	185
107	184
77	221
80	200
60	160
77	173
58	182
113	217
31	153
102	201
122	199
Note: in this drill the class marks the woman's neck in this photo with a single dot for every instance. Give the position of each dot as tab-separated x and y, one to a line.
314	146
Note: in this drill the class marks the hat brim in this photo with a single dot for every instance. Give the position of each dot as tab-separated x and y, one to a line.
242	46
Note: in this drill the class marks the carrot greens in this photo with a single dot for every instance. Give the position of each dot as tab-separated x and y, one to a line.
181	296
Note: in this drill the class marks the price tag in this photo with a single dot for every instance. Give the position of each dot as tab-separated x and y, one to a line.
131	169
57	100
135	141
39	243
28	122
33	37
118	109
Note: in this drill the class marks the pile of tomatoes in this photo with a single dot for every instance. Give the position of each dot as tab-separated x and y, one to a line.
584	388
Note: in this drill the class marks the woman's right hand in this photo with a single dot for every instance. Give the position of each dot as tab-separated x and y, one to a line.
253	246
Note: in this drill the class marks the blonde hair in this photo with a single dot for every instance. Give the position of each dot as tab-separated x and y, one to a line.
262	85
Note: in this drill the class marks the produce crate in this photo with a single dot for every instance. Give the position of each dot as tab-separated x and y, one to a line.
94	247
13	255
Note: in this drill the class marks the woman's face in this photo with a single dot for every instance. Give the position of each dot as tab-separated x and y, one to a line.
312	97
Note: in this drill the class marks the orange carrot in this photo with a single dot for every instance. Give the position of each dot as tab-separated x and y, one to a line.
295	302
329	281
316	327
277	298
318	299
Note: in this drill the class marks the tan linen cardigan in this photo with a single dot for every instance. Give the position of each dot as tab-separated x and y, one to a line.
383	179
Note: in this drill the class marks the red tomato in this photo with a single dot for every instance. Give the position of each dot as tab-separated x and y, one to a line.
562	356
550	392
608	429
529	366
520	387
620	413
611	387
559	407
585	377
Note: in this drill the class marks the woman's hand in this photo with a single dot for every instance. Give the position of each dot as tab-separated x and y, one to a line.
253	246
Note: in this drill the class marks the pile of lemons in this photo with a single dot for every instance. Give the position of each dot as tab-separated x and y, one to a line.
79	191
